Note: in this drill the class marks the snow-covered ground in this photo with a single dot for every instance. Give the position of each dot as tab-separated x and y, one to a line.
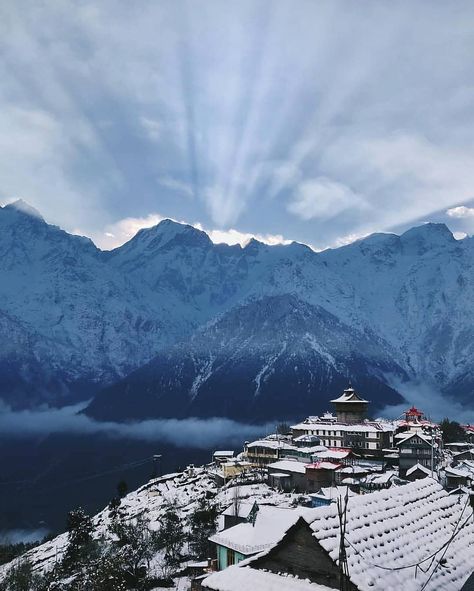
183	488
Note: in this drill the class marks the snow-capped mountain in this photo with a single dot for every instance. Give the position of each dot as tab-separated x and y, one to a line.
223	329
271	357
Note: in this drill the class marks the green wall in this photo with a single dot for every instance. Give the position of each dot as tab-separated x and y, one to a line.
222	557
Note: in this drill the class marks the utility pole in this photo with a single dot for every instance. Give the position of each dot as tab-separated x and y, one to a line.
343	566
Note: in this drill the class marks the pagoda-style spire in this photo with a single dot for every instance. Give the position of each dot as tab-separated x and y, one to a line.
350	407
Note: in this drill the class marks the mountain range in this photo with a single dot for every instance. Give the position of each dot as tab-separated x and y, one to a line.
172	325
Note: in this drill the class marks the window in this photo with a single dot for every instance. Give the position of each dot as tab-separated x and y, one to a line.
230	557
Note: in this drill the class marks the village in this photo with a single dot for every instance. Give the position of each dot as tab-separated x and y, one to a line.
383	505
333	502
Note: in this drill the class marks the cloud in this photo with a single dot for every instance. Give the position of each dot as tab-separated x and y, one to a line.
15	536
204	433
176	185
104	119
430	401
461	211
323	198
152	128
116	234
233	236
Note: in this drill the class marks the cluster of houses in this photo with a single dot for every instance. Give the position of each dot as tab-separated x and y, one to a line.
383	505
345	448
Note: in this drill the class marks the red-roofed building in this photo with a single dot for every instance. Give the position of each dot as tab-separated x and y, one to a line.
320	474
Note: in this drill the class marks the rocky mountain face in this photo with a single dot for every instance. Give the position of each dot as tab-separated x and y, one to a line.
272	357
171	324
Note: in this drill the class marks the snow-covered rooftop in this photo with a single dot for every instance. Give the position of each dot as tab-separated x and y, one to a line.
422	436
350	395
323	466
334	454
288	466
391	531
365	427
271	444
241	578
270	525
418	467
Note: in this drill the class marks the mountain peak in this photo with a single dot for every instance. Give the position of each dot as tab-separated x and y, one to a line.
25	208
426	236
168	231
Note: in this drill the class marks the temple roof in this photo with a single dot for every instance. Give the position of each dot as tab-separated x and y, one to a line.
350	395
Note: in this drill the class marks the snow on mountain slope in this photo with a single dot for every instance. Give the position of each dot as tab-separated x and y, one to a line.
273	357
94	322
97	316
184	489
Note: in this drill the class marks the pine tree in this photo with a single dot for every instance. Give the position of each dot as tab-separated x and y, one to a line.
170	539
21	577
122	488
202	524
81	545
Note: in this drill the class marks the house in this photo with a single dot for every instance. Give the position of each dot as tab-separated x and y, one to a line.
306	441
349	428
321	474
417	471
415	420
255	535
220	456
267	450
410	537
467	454
417	448
287	475
456	478
458	446
230	469
302	453
378	481
460	475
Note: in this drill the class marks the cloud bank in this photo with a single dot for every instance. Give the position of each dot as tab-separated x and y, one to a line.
192	432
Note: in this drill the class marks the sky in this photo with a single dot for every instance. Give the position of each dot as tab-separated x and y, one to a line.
319	122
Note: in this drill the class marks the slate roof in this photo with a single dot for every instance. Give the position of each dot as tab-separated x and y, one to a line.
397	528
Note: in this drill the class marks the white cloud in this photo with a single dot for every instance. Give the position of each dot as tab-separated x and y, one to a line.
233	236
176	185
461	212
347	239
323	198
204	433
459	235
122	231
118	233
151	127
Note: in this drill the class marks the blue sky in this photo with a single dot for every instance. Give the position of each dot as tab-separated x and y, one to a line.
286	119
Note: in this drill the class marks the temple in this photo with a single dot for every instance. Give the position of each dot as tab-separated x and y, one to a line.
350	407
